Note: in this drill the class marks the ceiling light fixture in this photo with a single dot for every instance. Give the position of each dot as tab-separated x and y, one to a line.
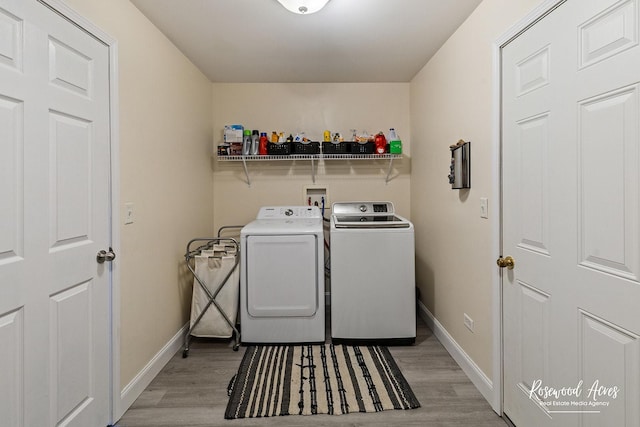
303	7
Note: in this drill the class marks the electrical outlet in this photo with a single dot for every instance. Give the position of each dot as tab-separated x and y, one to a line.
468	322
315	196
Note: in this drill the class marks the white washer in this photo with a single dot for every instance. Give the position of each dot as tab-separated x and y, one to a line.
372	273
282	276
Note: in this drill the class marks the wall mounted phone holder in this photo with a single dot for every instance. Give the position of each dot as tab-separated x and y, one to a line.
460	169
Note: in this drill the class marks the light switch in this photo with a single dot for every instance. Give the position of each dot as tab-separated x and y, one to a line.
128	213
484	207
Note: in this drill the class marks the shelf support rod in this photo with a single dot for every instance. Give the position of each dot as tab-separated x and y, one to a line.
386	181
313	171
246	171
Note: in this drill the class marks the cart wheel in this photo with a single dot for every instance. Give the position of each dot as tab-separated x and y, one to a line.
185	353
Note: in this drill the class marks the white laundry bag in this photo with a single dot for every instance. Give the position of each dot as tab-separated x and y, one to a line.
212	272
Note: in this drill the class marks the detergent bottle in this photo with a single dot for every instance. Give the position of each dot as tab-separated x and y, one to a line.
255	138
395	144
381	143
263	144
246	142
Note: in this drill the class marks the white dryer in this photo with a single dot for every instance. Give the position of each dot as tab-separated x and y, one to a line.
282	276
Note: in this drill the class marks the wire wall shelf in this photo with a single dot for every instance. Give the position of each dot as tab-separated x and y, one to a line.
269	157
313	158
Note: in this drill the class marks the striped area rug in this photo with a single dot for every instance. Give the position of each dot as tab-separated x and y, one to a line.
317	379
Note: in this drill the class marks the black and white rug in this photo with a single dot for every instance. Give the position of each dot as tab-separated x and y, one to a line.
317	379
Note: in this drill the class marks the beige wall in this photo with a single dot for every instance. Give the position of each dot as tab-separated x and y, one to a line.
311	108
165	170
451	99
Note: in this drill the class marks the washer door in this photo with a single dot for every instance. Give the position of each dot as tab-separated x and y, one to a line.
281	276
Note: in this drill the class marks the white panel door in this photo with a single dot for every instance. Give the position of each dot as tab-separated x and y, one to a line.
571	217
54	218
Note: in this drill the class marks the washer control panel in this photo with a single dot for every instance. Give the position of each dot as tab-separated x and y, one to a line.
295	212
358	208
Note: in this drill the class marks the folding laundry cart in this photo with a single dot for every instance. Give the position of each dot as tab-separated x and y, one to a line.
216	288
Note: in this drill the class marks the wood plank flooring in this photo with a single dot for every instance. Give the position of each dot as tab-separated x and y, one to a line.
193	392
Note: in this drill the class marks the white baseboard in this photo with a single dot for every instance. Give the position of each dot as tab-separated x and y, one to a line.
140	382
473	371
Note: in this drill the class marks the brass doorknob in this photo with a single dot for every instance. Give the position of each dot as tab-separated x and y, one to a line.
506	262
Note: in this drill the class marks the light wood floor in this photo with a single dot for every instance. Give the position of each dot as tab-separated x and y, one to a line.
193	392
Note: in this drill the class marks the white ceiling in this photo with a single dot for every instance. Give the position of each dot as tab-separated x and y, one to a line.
251	41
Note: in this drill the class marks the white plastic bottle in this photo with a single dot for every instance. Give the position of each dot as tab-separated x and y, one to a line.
395	144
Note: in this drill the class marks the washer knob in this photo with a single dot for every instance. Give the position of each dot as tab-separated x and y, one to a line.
363	208
288	212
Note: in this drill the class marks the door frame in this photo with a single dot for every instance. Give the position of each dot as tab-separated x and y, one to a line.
60	7
539	12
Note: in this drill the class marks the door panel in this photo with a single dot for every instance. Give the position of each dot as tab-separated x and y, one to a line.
608	33
608	202
533	72
571	216
282	276
608	355
54	176
11	179
533	139
70	174
534	325
11	36
70	325
12	367
69	68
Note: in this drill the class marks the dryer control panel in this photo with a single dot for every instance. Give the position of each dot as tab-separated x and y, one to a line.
297	212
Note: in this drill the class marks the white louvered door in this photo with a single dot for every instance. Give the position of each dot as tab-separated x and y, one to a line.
54	218
571	217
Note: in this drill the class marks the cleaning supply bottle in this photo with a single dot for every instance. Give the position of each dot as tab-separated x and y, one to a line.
262	150
255	138
381	143
246	142
395	144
